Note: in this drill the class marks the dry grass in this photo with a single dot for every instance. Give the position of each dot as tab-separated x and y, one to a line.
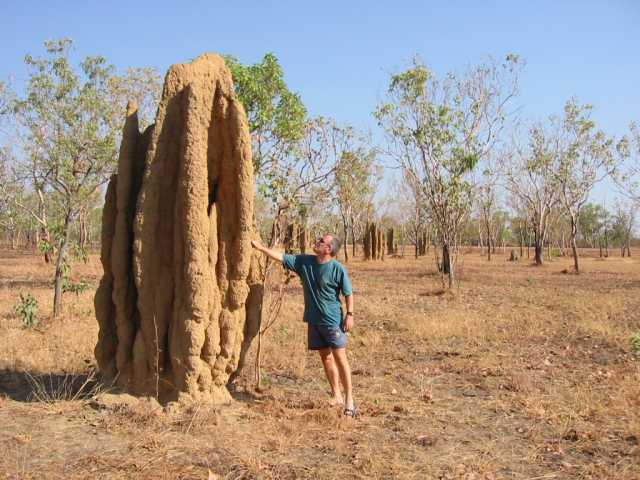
521	372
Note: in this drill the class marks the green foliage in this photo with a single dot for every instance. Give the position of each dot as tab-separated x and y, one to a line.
356	178
585	155
276	115
594	220
628	155
68	286
635	344
27	309
144	86
80	253
70	120
439	130
45	246
6	101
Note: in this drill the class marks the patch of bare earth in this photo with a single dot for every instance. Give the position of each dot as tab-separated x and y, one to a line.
521	372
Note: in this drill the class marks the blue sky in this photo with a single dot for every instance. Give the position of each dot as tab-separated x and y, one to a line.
338	55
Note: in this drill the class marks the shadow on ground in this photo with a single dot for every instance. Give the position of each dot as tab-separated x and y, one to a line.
24	386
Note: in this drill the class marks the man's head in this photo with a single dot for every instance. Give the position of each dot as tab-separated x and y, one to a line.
327	244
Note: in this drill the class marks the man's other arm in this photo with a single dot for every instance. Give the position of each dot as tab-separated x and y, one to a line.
348	319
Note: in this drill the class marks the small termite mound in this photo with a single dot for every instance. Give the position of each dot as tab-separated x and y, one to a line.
176	252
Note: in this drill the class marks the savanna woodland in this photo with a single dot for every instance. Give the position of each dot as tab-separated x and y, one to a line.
497	331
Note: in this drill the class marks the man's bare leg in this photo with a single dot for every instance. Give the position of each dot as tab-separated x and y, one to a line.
331	371
340	356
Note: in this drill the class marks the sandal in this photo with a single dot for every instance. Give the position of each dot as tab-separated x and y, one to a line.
351	412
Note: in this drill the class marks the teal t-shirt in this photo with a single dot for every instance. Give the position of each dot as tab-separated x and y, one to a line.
322	284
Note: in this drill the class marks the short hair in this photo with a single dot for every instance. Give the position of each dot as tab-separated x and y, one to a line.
335	245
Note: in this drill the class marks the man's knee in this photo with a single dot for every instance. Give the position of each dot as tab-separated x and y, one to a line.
340	355
339	352
326	355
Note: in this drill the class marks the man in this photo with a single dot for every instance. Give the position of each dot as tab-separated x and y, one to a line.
323	279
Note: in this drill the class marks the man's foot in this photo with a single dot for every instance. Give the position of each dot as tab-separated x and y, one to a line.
351	412
335	401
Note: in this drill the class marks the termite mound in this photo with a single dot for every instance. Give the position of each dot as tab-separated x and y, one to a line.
176	252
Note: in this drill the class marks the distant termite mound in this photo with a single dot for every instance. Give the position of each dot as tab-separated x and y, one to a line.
176	250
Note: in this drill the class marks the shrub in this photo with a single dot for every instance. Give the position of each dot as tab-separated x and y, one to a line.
74	287
27	308
635	344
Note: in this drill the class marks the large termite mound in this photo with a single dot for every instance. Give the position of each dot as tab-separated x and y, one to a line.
176	249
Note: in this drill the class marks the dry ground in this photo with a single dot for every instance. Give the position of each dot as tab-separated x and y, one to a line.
522	372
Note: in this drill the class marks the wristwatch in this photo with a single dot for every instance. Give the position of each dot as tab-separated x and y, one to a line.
350	313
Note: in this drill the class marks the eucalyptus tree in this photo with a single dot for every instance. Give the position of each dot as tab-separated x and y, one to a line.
606	228
405	210
439	129
628	176
355	186
9	191
591	224
277	116
530	176
624	220
6	101
586	157
487	201
519	226
69	124
420	219
143	85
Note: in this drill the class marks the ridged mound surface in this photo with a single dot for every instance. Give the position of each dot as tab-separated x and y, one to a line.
176	250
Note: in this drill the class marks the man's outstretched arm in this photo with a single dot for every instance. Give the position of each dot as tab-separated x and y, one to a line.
267	251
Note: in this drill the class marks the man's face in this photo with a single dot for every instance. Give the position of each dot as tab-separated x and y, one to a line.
323	245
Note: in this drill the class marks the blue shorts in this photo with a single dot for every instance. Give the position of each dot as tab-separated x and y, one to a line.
323	336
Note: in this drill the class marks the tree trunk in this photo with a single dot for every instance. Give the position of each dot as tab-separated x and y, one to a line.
346	250
44	229
488	229
539	248
574	246
82	229
62	252
447	264
446	261
373	239
45	237
353	240
521	238
436	255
